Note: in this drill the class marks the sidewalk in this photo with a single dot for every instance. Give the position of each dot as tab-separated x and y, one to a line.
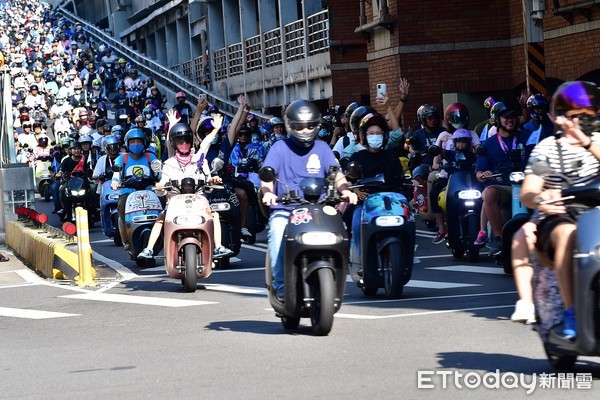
14	271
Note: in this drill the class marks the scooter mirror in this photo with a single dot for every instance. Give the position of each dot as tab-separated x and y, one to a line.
344	163
267	174
117	168
217	164
354	170
433	151
373	181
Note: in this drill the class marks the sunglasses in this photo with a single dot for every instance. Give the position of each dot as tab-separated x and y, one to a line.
298	126
182	140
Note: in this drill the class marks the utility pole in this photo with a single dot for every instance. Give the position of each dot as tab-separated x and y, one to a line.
533	33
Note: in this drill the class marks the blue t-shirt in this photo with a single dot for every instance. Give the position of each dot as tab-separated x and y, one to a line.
292	165
135	167
537	134
498	156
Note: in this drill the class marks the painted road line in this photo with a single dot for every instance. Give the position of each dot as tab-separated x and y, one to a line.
453	296
257	248
103	241
144	300
122	270
471	268
430	284
32	314
359	316
235	289
229	271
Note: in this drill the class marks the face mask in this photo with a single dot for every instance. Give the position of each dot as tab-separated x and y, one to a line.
322	133
136	149
587	123
375	141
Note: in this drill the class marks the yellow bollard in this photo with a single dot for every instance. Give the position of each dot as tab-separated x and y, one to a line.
86	273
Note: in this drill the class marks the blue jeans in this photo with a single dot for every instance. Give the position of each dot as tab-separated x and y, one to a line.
54	190
277	224
355	242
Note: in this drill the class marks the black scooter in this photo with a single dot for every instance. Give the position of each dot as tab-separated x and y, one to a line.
561	352
315	254
77	192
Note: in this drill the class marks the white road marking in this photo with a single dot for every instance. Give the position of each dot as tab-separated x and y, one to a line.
359	316
29	276
229	271
253	247
122	270
103	241
429	284
32	314
235	289
145	300
471	268
454	296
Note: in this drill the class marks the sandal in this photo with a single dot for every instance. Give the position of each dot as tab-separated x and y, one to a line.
3	258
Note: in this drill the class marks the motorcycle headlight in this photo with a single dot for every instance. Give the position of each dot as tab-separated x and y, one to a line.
389	220
113	196
78	192
220	206
516	177
189	220
319	238
469	194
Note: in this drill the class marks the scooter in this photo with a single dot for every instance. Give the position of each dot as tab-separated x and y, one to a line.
109	199
387	240
142	208
188	233
561	352
77	190
256	220
43	175
315	254
462	208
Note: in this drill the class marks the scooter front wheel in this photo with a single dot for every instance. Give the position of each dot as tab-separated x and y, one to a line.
190	279
322	310
392	270
290	322
559	361
46	192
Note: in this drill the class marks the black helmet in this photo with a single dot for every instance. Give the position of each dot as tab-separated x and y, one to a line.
180	130
499	109
357	115
302	119
373	119
350	109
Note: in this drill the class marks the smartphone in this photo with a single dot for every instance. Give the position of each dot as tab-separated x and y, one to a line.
381	90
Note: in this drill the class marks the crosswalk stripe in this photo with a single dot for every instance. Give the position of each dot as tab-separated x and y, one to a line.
257	248
429	284
235	289
144	300
362	316
32	314
471	268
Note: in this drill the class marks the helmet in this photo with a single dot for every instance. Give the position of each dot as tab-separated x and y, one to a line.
180	95
64	142
464	135
83	113
96	82
135	133
122	61
85	137
302	119
180	130
148	112
276	121
373	119
252	117
357	115
490	101
426	110
456	115
101	48
213	109
42	141
75	144
499	109
205	126
100	122
111	142
77	86
574	95
33	87
60	98
350	109
140	118
117	130
538	101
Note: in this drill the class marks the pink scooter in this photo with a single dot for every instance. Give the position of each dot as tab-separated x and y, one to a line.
188	233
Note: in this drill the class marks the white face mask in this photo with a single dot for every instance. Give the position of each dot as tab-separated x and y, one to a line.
375	141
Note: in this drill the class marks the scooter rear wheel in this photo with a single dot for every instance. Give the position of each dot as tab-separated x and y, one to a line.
46	192
322	310
190	279
559	361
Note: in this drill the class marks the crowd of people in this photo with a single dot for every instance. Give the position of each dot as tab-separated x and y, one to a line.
64	83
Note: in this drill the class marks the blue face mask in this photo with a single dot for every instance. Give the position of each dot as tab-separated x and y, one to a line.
375	141
136	149
322	133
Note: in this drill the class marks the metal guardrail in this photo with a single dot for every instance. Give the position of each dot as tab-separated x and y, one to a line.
159	73
7	140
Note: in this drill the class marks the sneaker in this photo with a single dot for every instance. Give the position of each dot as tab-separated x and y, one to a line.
524	312
280	296
221	251
570	326
482	238
146	253
439	238
246	232
495	245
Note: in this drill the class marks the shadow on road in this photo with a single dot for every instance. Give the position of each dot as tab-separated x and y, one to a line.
257	327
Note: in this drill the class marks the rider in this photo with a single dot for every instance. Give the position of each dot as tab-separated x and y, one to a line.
187	163
67	166
374	160
296	157
497	194
572	156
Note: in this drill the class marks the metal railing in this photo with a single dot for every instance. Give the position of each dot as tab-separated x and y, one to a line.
159	73
317	26
7	141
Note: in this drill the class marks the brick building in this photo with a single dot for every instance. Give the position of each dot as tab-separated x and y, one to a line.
461	51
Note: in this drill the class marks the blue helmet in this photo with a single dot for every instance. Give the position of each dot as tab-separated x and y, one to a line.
539	103
111	140
135	133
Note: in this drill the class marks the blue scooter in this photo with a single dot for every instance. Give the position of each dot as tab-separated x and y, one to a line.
109	215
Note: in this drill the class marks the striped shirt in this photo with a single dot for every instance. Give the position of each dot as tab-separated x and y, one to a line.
563	165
